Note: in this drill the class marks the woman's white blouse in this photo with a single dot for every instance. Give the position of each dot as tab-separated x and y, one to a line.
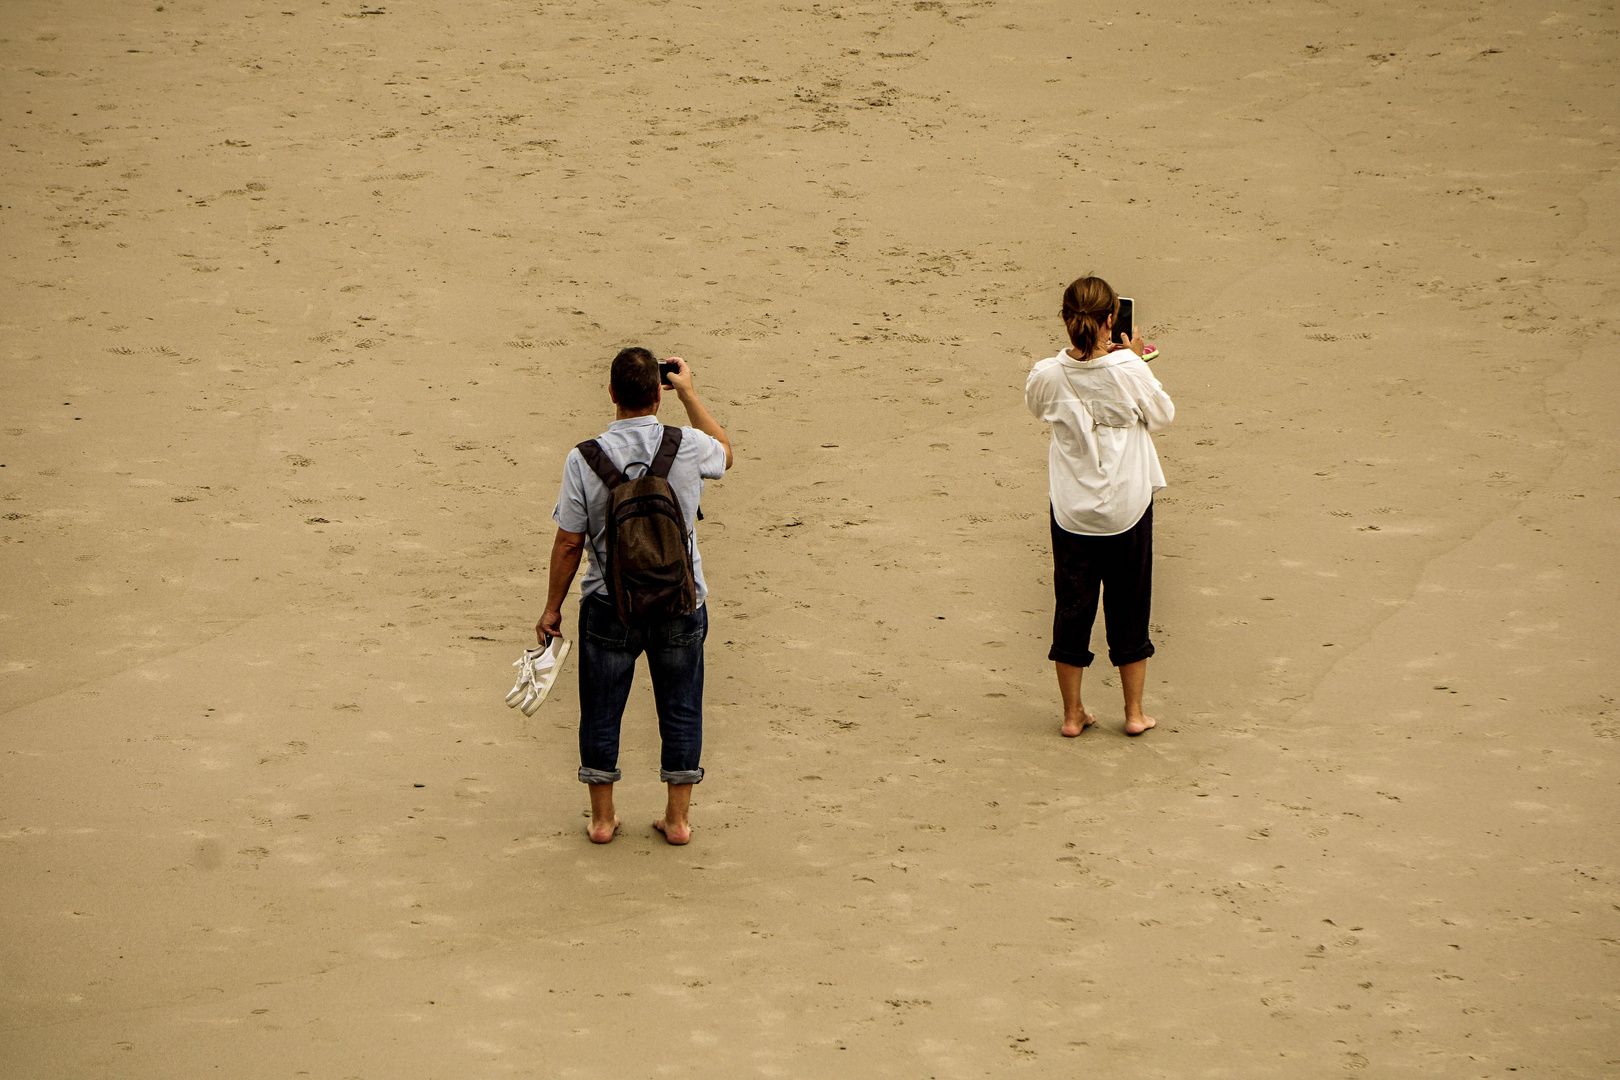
1102	469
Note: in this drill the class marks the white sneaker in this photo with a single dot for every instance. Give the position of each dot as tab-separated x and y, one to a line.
544	664
525	679
535	659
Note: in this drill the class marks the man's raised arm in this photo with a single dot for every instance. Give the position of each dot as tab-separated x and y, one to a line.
681	381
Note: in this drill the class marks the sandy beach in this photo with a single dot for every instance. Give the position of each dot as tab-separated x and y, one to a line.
304	304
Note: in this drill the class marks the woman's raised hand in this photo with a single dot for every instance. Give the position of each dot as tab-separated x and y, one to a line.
1135	344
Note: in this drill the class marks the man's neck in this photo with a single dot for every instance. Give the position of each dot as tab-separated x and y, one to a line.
626	414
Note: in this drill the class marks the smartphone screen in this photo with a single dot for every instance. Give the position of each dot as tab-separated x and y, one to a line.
1125	320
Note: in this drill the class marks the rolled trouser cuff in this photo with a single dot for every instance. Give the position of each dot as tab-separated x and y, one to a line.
680	776
1073	659
1130	656
599	776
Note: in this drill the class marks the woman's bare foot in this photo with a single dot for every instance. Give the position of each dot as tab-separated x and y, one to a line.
676	834
1073	727
1132	677
602	832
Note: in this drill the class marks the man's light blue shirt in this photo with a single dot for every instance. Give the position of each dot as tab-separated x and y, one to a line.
582	504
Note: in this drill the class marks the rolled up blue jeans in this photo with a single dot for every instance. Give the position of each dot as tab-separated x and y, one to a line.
607	664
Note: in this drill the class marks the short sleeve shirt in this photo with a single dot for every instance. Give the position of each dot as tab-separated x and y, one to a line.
582	502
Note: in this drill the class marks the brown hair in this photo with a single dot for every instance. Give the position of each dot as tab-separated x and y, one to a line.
1088	302
635	379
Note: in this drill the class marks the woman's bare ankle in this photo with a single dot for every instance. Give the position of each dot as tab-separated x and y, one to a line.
1140	722
1075	723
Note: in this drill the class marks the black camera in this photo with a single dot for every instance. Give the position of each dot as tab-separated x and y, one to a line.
665	369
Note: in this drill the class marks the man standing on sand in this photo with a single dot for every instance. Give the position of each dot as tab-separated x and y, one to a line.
607	647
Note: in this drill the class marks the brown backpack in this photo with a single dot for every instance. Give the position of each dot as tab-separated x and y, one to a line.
649	554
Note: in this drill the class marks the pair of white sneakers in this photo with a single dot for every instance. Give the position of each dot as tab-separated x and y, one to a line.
537	670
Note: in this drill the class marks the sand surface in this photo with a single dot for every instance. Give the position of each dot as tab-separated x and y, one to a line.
304	303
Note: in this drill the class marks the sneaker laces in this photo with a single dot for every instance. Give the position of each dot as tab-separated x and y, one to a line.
525	679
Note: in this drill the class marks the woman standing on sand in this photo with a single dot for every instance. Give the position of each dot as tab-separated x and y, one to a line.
1102	403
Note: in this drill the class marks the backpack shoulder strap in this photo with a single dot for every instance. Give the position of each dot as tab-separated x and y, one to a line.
597	459
664	460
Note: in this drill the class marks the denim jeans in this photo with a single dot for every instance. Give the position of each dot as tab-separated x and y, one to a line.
607	663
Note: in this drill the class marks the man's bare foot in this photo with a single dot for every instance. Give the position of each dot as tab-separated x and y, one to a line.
675	834
1137	725
1072	728
601	832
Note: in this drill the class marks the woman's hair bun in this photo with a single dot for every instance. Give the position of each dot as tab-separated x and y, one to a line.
1088	303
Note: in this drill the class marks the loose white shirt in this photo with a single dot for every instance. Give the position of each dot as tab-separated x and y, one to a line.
1102	469
583	501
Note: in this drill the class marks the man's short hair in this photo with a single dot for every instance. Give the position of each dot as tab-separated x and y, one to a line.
635	379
